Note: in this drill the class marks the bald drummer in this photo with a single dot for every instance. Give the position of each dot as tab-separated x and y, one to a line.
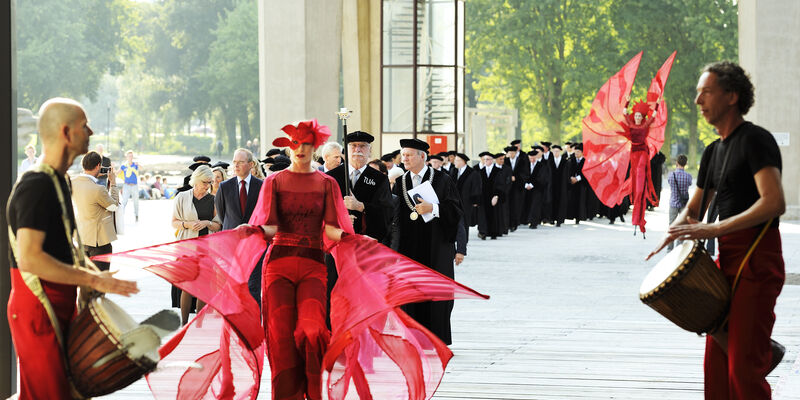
44	278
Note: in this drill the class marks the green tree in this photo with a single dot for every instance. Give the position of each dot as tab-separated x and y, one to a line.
65	47
536	56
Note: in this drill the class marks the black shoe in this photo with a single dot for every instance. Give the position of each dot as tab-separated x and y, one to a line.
513	228
558	225
494	237
577	222
532	226
482	236
611	222
777	354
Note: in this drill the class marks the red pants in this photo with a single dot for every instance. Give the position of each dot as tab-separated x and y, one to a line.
741	374
641	186
41	367
294	319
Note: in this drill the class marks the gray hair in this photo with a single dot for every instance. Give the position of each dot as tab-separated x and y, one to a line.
249	154
202	173
330	147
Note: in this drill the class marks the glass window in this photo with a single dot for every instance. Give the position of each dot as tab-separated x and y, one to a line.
398	25
436	99
436	32
398	98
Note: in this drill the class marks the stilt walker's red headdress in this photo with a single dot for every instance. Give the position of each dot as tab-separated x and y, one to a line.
305	132
642	108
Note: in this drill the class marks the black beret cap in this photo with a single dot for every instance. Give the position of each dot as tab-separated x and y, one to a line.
442	154
533	152
546	144
203	159
273	152
414	144
498	155
359	136
510	148
268	160
452	153
462	156
568	143
578	146
436	157
537	147
395	153
197	164
221	164
555	146
387	157
516	141
485	153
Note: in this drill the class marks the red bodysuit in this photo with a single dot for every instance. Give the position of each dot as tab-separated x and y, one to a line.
641	180
295	279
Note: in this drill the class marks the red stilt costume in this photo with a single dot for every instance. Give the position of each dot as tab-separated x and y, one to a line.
612	140
741	374
373	342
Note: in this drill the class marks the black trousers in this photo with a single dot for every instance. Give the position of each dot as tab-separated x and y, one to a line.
96	251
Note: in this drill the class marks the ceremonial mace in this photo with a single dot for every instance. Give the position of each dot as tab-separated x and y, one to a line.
344	114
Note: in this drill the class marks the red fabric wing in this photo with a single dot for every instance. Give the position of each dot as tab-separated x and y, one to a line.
605	141
655	137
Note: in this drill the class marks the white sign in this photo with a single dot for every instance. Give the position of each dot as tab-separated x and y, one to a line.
782	138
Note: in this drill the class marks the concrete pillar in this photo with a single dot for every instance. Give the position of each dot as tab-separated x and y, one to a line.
361	66
299	63
768	32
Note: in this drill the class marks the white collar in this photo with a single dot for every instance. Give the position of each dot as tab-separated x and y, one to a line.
360	170
462	169
246	180
421	172
89	176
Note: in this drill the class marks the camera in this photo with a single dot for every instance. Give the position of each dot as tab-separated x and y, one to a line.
105	165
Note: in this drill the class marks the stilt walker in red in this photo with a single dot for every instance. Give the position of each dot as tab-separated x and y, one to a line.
614	139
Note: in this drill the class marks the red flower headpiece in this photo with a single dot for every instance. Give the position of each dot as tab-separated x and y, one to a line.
641	107
305	132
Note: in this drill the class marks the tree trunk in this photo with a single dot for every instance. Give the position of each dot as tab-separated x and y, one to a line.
694	138
668	132
230	128
244	125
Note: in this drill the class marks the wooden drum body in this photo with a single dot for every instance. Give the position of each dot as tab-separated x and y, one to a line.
688	288
107	350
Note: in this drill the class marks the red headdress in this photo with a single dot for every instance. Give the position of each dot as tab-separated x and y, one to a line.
641	107
305	132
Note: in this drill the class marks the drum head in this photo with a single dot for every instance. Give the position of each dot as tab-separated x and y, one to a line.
113	317
666	267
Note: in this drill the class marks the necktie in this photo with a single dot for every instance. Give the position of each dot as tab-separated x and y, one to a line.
417	180
242	197
354	177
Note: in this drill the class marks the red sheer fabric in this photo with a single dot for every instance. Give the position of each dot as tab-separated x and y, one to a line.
376	350
612	142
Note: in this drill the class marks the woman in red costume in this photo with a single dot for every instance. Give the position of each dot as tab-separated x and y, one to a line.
296	209
637	127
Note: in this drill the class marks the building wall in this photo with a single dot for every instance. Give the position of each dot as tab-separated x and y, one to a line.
768	50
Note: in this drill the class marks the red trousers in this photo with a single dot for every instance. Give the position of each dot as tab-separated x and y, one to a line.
41	366
741	374
294	288
641	186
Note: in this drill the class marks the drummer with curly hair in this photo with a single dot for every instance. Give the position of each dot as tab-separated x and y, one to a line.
44	277
743	169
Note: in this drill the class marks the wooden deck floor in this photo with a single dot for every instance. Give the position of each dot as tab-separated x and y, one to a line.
564	320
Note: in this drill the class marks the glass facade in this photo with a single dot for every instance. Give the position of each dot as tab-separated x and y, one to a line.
422	63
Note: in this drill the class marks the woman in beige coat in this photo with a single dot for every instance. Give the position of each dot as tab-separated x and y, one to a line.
194	215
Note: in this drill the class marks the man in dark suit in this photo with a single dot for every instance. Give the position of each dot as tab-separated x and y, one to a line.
370	200
559	183
468	183
235	201
491	197
537	188
520	170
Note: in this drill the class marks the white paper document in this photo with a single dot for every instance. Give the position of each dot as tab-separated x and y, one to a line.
425	191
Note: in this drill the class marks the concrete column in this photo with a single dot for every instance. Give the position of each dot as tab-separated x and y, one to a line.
768	32
8	166
299	63
361	66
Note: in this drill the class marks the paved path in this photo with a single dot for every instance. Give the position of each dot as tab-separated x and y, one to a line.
564	320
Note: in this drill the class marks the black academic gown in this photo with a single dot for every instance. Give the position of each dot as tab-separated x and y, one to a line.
559	185
469	190
516	191
539	177
505	186
578	192
431	244
489	216
372	189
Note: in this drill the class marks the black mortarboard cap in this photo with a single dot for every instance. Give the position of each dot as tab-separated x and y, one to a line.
442	154
221	164
568	143
485	153
414	144
359	136
510	148
533	152
516	141
498	155
546	144
203	159
197	164
452	153
387	157
395	153
436	157
537	147
462	156
555	146
578	146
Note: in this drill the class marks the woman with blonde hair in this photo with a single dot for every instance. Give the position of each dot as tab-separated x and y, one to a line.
194	215
220	175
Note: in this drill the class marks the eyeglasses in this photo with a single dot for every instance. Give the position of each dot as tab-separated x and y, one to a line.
208	182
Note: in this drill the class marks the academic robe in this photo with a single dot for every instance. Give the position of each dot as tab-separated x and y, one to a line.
469	190
431	244
505	176
578	192
516	191
539	177
558	189
489	216
372	189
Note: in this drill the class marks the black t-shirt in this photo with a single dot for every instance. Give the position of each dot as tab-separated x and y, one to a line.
35	205
205	210
753	148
